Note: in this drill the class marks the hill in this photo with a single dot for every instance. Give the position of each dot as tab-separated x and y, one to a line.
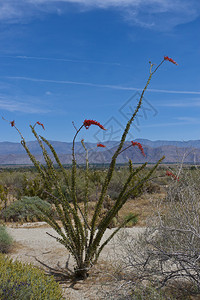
14	153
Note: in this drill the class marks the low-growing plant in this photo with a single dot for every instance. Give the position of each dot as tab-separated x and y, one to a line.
133	219
19	281
82	238
27	209
6	241
136	291
32	187
148	292
13	181
3	196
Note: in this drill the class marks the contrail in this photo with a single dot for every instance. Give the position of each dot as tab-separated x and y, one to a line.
62	59
116	87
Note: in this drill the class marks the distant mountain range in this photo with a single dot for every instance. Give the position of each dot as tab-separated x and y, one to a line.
14	153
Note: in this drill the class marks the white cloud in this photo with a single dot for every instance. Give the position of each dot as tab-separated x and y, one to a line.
158	14
48	93
189	120
61	59
19	106
186	103
109	86
181	122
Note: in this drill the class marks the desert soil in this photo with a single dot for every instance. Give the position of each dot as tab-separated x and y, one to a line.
33	244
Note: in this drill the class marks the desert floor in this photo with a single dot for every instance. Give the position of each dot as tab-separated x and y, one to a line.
33	244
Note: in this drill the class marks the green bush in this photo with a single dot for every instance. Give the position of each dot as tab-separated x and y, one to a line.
3	196
26	209
33	186
148	293
136	291
23	282
133	219
6	240
13	180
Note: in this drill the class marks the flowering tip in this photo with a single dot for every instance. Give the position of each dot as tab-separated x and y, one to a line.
40	124
139	146
168	173
87	124
170	59
101	145
12	123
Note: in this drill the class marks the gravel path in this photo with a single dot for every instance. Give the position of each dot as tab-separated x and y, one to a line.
34	243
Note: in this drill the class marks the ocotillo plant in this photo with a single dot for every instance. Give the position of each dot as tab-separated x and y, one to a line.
81	237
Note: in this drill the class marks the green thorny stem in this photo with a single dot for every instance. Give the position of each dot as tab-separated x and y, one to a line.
86	199
113	161
121	200
74	198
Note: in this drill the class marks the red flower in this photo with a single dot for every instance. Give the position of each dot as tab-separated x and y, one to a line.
101	145
12	123
87	124
139	146
40	124
170	59
168	173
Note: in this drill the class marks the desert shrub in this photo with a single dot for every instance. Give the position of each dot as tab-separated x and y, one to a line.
82	236
116	183
133	219
188	185
6	240
80	192
118	180
27	209
32	186
13	180
148	292
136	292
23	282
151	187
168	250
3	196
80	188
96	178
22	182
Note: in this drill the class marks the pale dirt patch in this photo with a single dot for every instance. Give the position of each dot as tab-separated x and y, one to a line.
34	243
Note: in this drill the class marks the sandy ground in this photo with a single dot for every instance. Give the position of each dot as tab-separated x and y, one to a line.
34	243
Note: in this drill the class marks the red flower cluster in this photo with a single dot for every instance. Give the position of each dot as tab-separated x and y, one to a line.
40	124
87	124
139	146
168	173
101	145
12	123
170	59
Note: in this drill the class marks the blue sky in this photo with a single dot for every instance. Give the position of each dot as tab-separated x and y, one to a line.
71	60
